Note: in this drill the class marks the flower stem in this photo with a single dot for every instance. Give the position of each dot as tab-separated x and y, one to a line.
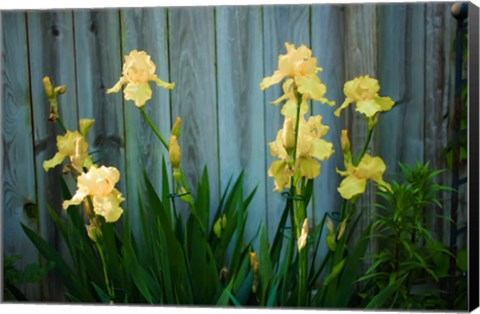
299	215
152	126
60	122
105	273
365	147
297	124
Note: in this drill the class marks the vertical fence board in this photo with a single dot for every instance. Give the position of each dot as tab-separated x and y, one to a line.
18	170
401	77
327	47
194	99
97	50
52	53
240	103
146	30
360	59
438	66
281	24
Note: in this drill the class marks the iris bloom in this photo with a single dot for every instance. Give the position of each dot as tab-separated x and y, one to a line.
355	181
73	146
137	71
363	91
99	184
301	68
310	147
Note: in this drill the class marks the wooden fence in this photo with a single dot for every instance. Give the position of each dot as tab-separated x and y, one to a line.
216	56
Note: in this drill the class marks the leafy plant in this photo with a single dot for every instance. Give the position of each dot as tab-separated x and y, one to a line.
170	261
14	277
406	270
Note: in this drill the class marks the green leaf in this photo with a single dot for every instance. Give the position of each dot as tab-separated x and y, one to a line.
335	271
103	296
462	260
201	210
265	269
140	277
380	299
272	296
351	270
67	275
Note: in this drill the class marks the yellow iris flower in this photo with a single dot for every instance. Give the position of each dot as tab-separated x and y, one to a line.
138	70
99	184
73	146
369	168
310	148
300	67
363	91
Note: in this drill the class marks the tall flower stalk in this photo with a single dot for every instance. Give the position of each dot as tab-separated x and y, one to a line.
95	185
138	70
298	146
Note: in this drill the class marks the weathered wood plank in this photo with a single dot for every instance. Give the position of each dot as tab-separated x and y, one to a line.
401	77
52	53
99	65
146	29
240	103
439	31
192	68
19	204
360	59
328	47
280	24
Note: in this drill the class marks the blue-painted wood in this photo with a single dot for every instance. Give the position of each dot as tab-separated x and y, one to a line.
240	103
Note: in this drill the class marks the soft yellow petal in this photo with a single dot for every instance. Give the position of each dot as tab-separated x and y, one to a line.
271	80
66	143
161	83
98	181
76	199
279	100
56	160
321	149
312	88
139	93
345	104
368	107
109	206
78	158
117	86
288	93
85	125
290	108
281	174
371	168
351	186
385	103
316	126
309	167
276	147
138	67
